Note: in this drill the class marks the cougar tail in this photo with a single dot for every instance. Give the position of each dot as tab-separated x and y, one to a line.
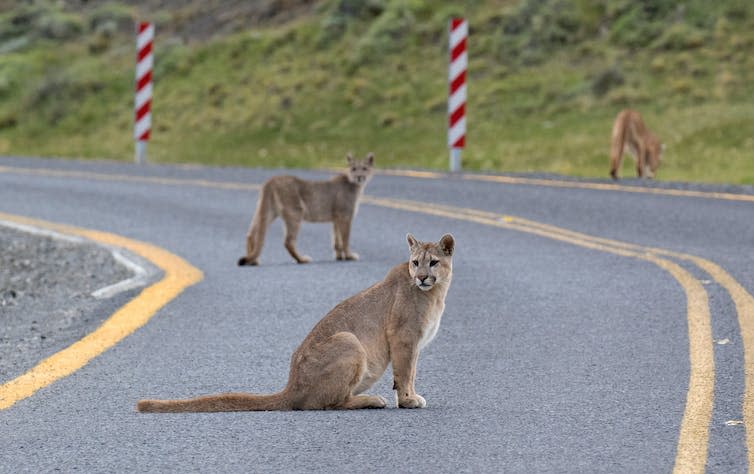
216	403
617	142
263	216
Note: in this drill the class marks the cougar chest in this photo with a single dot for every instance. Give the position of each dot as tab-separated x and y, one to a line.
431	323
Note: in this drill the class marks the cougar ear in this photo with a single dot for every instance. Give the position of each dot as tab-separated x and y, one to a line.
411	241
349	157
370	158
447	244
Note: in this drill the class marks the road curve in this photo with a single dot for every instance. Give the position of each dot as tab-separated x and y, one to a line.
587	328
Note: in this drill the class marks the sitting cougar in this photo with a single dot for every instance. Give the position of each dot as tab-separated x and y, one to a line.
350	348
294	199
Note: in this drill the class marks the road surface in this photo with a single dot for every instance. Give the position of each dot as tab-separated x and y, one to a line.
588	328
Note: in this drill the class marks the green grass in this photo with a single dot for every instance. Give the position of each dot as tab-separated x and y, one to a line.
545	83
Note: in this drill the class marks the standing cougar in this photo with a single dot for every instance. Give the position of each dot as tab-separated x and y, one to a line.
646	149
350	348
294	199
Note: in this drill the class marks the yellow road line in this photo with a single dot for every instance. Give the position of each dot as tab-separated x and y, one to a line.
178	275
129	178
691	451
744	303
553	183
742	299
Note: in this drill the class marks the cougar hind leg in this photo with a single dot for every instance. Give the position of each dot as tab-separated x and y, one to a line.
292	220
358	402
616	150
616	161
329	372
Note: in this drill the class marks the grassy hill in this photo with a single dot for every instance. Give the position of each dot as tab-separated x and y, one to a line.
300	82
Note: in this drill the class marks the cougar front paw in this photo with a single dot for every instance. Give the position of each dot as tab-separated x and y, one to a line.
339	255
304	259
417	401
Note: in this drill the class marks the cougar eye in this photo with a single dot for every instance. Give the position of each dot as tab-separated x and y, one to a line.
416	263
432	263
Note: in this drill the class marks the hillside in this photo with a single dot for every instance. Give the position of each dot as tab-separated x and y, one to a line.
300	82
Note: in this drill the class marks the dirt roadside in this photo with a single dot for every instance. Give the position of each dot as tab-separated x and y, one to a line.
46	301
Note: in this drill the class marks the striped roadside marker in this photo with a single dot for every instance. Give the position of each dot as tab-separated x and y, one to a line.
143	101
459	31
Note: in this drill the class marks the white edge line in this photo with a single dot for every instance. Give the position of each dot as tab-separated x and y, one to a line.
43	232
140	278
141	275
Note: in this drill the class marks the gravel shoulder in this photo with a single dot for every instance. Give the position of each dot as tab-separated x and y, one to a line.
46	300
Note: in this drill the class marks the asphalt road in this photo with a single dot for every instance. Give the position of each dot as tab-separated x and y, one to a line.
553	355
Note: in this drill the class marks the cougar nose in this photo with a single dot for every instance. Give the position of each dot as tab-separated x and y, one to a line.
422	277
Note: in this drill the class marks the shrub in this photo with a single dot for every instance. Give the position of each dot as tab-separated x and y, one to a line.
538	27
111	18
678	37
8	121
59	88
681	86
607	80
634	29
343	12
40	20
56	25
18	22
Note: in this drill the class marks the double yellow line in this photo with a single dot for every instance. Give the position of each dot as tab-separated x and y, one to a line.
694	434
559	183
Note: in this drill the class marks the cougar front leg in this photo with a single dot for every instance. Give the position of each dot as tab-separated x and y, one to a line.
292	225
640	161
404	357
342	232
648	173
337	241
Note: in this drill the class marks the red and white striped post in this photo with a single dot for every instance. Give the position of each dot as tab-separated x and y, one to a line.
143	101
459	31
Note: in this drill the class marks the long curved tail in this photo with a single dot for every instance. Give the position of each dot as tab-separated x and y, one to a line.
263	216
216	403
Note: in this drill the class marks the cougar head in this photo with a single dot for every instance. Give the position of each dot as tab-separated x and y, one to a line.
360	171
430	262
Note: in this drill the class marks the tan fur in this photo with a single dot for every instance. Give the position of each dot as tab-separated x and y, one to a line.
350	348
630	131
294	200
